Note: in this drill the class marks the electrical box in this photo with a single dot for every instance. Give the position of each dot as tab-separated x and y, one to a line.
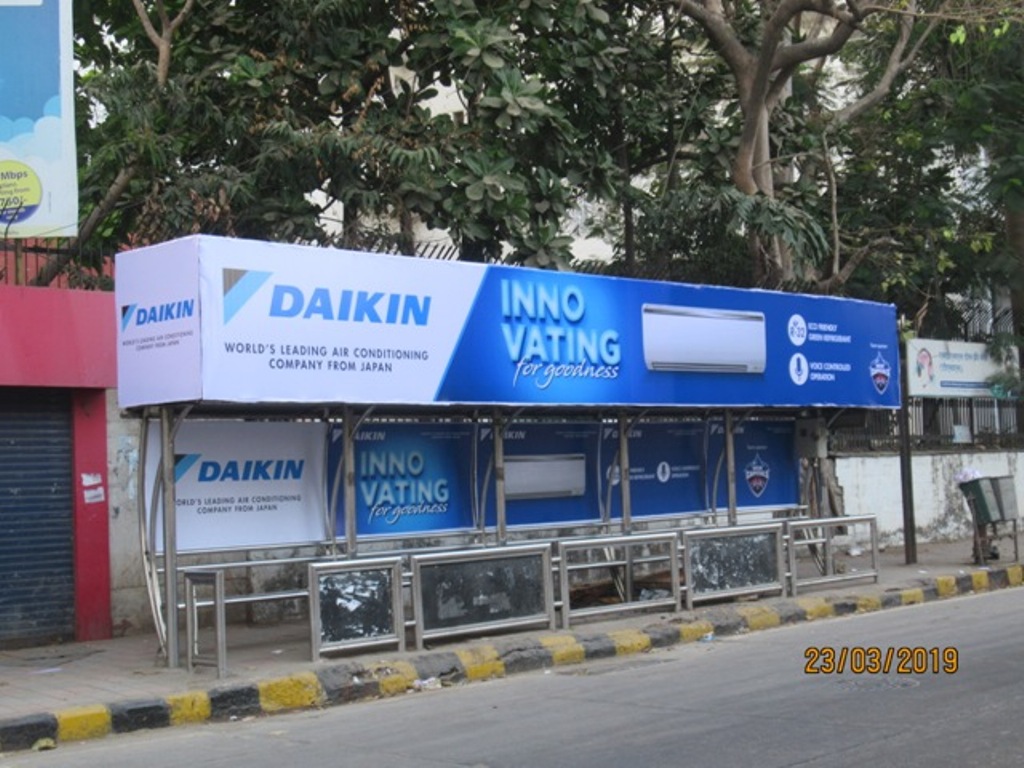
811	439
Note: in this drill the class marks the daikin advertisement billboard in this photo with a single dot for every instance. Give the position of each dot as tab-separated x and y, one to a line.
767	468
263	484
410	478
550	474
227	320
242	483
667	464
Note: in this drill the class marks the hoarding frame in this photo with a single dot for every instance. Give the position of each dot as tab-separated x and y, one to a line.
317	572
537	552
344	327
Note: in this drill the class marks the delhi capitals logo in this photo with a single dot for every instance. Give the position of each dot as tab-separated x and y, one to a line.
881	373
757	473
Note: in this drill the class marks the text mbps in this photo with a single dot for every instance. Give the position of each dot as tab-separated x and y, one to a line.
546	337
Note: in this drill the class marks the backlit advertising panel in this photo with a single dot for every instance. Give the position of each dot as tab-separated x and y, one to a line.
550	473
940	368
666	468
767	468
286	323
410	478
243	484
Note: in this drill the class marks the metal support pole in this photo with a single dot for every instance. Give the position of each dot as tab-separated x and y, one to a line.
906	472
474	465
627	503
337	490
349	458
730	466
499	478
170	536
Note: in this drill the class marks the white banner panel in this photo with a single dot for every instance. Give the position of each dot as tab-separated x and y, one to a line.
287	324
38	165
244	484
950	368
158	340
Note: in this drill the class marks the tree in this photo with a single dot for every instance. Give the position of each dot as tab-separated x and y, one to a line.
771	48
203	116
982	87
717	118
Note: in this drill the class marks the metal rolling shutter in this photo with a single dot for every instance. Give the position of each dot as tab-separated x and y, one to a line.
37	601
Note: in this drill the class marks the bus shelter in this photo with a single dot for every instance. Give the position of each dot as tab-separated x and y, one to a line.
306	394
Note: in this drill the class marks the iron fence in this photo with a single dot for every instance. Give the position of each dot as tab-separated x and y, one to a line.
936	424
22	261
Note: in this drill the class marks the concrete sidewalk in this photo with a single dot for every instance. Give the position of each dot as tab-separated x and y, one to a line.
78	691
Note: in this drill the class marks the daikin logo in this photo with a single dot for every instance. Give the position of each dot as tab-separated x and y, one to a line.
321	303
509	434
158	313
249	470
239	286
183	462
613	432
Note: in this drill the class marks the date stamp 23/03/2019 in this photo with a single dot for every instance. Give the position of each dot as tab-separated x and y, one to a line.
874	660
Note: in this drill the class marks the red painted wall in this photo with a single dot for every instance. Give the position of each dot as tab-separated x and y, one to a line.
57	338
91	526
67	339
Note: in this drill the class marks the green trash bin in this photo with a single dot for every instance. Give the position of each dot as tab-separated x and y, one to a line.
983	499
1006	495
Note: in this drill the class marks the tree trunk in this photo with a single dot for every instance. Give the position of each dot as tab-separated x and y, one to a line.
773	261
626	199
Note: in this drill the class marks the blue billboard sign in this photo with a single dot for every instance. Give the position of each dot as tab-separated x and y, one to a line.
410	478
418	477
552	338
38	164
666	468
550	474
767	468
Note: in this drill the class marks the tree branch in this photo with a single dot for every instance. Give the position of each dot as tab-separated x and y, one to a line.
896	64
56	265
720	33
792	56
147	24
839	278
833	203
162	42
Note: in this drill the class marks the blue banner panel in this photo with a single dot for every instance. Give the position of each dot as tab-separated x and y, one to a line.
767	469
410	478
553	337
666	468
550	474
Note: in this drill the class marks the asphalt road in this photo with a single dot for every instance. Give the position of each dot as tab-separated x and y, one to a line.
740	701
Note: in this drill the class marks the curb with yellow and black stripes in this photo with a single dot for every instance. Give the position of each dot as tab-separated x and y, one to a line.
349	681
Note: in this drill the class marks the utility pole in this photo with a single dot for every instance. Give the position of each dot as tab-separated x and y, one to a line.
906	473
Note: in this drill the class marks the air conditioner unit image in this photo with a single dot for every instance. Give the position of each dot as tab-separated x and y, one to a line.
703	340
545	476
